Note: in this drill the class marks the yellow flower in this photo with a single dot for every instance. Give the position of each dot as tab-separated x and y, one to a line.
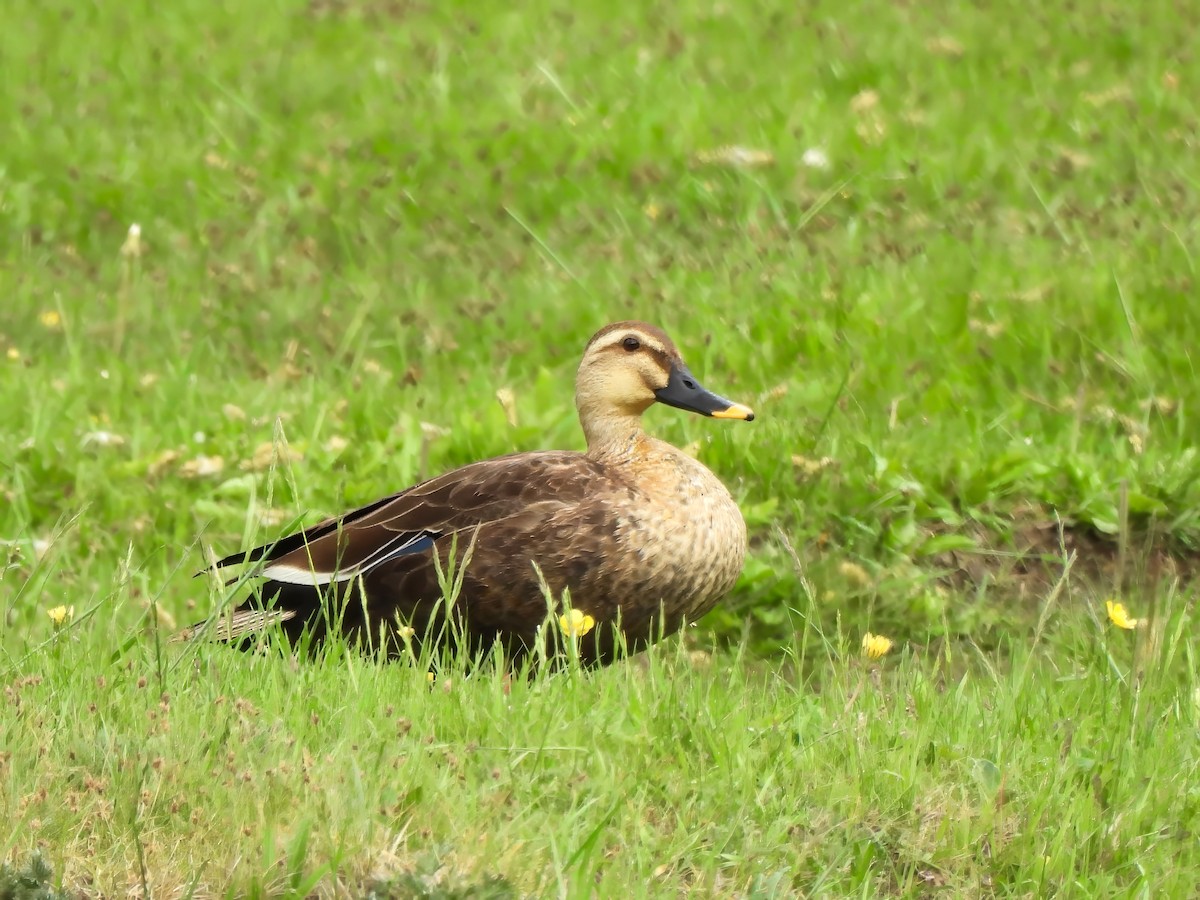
13	353
50	319
406	632
1119	616
876	646
576	623
61	615
429	678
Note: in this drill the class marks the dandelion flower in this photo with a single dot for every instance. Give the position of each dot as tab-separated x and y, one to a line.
13	353
576	623
876	646
61	615
51	319
1119	616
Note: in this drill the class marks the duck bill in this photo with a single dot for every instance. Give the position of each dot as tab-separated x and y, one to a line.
683	391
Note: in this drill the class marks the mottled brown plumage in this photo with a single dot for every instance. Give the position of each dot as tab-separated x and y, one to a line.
642	535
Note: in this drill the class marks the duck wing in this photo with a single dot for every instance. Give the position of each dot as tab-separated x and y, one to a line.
351	545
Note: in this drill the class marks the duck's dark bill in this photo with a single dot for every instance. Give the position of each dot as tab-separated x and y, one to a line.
683	391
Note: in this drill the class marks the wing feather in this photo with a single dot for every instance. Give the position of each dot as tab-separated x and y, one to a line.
410	522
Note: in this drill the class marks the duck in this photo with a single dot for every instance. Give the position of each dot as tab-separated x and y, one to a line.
598	553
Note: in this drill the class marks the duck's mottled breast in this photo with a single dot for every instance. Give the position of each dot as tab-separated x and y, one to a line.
686	529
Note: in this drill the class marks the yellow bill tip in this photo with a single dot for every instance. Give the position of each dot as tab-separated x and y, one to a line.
735	411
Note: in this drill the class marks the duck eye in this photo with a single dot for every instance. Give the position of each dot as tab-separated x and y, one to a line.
631	343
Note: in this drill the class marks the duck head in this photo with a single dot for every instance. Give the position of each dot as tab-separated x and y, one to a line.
629	366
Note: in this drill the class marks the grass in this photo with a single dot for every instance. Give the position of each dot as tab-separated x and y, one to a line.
969	339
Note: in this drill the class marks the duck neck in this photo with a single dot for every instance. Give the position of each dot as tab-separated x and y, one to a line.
613	435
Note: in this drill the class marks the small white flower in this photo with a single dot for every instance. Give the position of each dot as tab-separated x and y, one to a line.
133	242
815	158
101	439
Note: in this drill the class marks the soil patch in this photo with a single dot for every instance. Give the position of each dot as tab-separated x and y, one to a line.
1032	558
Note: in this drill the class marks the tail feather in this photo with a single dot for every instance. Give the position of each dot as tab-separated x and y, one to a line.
294	607
238	624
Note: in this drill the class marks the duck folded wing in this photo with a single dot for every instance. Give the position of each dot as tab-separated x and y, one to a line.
409	523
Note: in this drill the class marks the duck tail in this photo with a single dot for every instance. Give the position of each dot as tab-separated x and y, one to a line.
294	607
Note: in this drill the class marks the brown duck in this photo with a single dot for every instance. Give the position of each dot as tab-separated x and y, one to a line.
640	535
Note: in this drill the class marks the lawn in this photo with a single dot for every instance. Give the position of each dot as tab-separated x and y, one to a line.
944	250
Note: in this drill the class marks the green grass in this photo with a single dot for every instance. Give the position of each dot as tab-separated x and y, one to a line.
969	340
